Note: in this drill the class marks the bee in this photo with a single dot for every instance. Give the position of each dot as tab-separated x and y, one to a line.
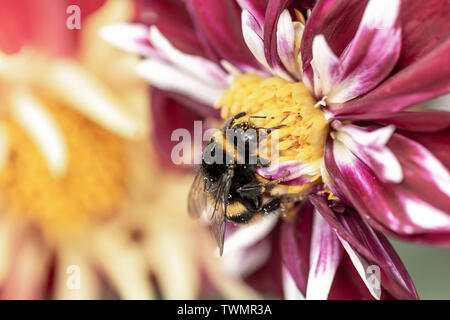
228	188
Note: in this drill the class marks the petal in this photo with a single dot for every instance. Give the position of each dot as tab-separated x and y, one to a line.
436	142
130	37
422	80
240	263
424	28
166	77
171	17
367	247
290	289
326	255
42	129
273	12
327	69
337	21
416	121
247	236
370	148
362	65
299	173
419	204
372	54
286	44
219	23
199	67
257	8
295	240
441	103
170	112
253	33
98	102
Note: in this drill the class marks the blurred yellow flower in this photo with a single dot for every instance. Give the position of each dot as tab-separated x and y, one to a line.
79	187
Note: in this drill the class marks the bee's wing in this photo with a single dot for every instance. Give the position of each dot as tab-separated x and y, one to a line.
197	196
218	217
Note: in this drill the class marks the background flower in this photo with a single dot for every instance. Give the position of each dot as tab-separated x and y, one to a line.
79	184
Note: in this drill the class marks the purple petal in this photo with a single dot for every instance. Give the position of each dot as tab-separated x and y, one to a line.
367	247
424	28
416	121
419	204
295	239
169	112
219	22
173	20
326	255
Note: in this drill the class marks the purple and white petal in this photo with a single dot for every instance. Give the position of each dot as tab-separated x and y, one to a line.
253	36
290	289
201	68
167	77
326	254
247	236
405	208
257	8
132	37
368	250
286	40
366	61
370	147
299	173
326	67
244	261
372	54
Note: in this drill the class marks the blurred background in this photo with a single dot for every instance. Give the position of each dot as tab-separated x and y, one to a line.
88	207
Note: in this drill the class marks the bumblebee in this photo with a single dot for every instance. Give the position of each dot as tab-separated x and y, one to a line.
227	187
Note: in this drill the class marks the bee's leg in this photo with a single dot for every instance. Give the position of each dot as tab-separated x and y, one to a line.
251	190
269	130
230	122
262	162
292	197
271	206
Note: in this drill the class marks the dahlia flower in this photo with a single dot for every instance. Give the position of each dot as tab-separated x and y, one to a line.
355	84
77	181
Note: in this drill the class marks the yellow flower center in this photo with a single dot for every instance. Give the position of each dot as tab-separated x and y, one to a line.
286	103
92	187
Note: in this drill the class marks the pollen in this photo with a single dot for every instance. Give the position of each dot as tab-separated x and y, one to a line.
280	102
91	189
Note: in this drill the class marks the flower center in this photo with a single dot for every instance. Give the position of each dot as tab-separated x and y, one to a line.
92	188
286	103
